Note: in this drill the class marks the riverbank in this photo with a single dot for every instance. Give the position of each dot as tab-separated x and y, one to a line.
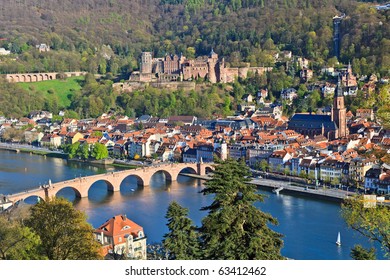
18	148
36	150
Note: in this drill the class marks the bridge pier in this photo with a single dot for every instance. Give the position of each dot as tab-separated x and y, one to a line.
201	169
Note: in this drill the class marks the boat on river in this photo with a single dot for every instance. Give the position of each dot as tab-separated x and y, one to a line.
338	241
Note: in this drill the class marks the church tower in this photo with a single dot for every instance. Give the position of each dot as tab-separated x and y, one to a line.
339	110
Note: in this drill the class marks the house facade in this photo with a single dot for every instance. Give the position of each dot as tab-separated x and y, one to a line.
120	236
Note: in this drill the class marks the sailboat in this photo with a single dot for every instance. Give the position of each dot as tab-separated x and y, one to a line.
338	242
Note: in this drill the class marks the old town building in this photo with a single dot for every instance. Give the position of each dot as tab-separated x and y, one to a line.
121	237
332	127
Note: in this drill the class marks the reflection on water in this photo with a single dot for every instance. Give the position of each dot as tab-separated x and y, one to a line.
309	226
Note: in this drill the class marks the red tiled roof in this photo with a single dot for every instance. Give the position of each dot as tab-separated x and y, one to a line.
119	226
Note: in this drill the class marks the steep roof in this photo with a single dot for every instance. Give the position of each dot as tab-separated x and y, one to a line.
311	121
119	225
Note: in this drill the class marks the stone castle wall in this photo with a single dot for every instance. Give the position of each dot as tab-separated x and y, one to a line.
38	77
170	68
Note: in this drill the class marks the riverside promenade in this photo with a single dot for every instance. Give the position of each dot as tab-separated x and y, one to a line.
29	149
287	187
279	186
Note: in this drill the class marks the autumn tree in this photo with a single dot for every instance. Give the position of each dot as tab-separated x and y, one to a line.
371	222
17	242
63	230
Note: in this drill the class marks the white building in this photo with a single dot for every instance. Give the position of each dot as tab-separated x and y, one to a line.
289	94
120	236
4	51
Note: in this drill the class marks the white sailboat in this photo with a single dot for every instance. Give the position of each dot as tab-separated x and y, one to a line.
338	242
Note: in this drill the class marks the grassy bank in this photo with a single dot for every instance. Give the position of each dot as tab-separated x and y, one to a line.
62	90
124	165
43	153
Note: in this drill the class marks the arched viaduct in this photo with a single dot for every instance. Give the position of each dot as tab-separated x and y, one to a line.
38	77
113	180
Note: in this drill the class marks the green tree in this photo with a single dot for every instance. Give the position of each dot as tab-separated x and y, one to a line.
97	134
311	176
371	222
83	151
234	228
64	231
72	149
17	242
99	151
263	165
335	181
384	109
360	253
182	239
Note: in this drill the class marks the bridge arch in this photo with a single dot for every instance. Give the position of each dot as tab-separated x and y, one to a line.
139	180
109	184
75	190
169	177
208	169
30	198
188	169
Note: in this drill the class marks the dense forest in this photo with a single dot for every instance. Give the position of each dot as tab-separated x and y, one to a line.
107	37
103	36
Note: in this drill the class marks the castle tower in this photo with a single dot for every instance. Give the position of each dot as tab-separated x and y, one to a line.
339	110
212	63
146	63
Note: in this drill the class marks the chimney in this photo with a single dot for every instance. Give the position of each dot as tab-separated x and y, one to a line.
124	217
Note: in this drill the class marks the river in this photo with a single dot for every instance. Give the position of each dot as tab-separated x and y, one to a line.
309	226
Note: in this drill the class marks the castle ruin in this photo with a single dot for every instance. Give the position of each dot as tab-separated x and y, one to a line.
176	68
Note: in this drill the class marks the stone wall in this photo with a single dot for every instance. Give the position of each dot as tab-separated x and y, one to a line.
38	77
132	86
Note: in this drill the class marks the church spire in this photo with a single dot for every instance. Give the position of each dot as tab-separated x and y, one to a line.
339	88
212	53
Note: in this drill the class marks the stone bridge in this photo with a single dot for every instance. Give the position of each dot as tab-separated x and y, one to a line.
38	77
113	180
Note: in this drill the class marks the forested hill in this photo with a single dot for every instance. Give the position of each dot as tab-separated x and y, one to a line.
240	30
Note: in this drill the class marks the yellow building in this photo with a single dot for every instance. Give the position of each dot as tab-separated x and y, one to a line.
358	168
